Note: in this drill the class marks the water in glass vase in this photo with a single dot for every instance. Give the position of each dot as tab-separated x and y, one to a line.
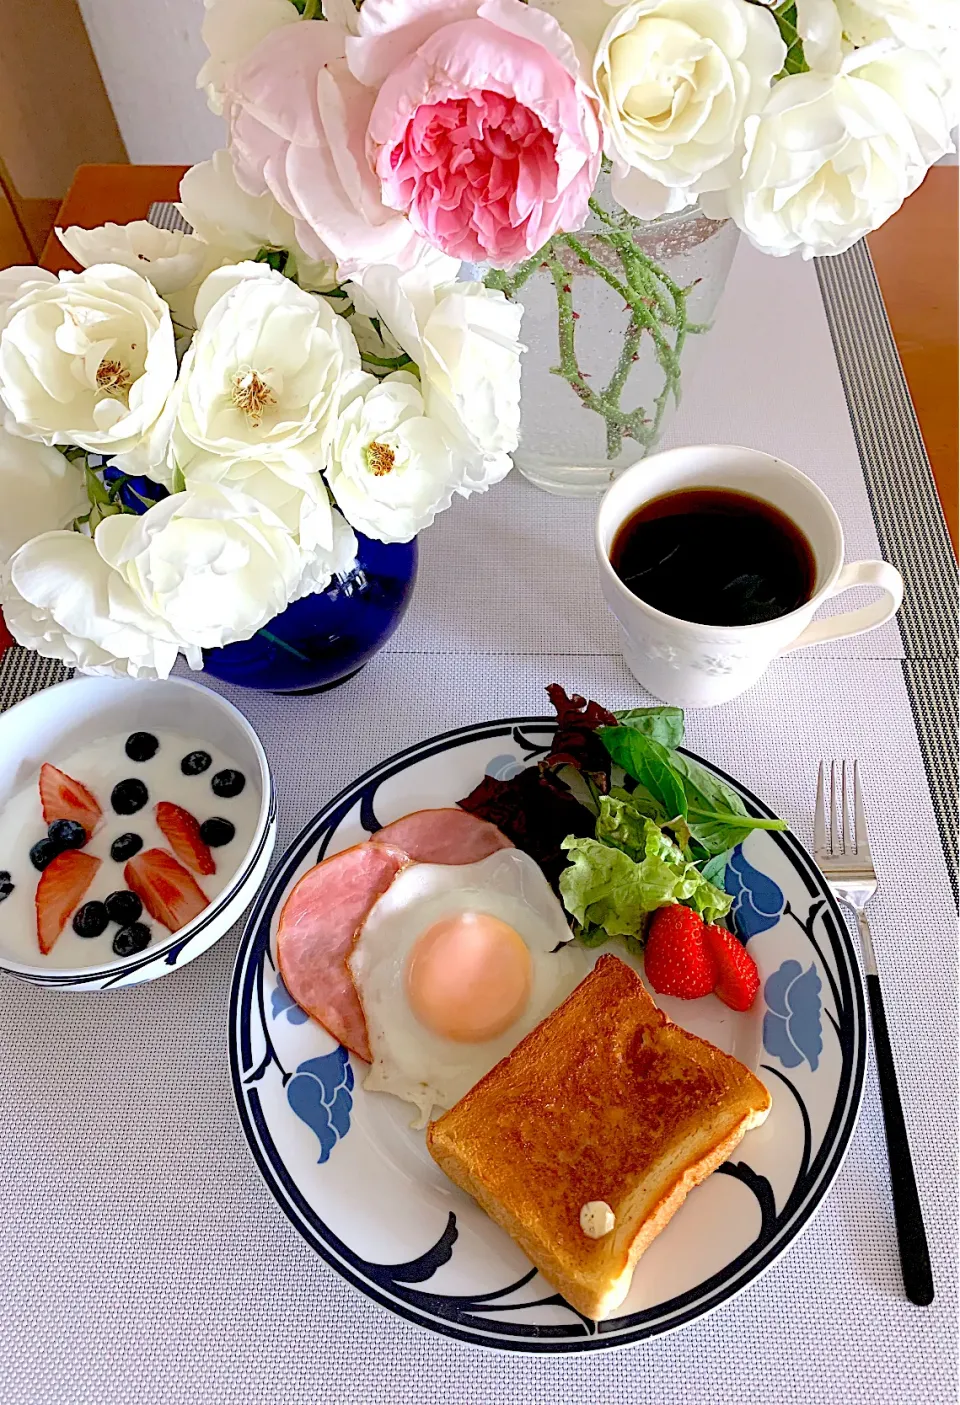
611	317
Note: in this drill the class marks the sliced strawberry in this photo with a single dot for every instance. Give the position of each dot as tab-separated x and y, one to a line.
170	894
60	891
63	798
675	958
182	833
738	979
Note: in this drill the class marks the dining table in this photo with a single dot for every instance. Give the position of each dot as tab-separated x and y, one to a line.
145	1263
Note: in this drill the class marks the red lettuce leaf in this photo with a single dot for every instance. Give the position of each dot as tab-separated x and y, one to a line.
536	811
576	742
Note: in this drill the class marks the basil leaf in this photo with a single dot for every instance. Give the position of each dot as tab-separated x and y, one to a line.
649	763
664	724
716	816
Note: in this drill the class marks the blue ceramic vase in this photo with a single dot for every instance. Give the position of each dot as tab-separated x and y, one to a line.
324	639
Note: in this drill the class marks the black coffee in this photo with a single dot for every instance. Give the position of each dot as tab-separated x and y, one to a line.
714	556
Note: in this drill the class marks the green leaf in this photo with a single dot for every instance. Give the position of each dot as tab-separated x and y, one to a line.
715	869
786	17
96	491
178	482
603	887
663	724
716	816
648	762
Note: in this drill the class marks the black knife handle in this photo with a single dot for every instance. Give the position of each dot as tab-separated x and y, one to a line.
911	1235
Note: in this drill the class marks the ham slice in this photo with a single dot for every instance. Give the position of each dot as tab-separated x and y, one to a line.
447	836
323	916
319	924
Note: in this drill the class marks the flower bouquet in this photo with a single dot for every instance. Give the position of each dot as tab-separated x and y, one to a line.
198	426
593	159
186	454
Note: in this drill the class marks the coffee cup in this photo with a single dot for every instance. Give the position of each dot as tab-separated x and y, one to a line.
700	665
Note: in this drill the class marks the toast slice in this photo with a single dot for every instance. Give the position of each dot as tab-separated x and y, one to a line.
606	1100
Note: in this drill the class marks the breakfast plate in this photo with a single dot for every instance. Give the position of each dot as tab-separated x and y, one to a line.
356	1179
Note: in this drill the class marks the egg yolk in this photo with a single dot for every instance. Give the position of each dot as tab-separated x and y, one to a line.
468	977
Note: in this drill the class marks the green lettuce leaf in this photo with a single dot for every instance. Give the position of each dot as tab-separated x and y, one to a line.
663	724
606	887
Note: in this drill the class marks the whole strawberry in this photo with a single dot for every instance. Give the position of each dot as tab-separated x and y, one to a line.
676	958
738	979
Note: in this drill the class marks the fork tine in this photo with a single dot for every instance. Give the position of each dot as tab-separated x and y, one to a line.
819	822
833	807
844	809
860	816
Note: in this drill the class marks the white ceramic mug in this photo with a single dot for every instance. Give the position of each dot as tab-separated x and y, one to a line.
700	665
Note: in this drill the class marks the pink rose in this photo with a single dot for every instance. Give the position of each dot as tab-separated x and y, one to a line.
298	121
481	132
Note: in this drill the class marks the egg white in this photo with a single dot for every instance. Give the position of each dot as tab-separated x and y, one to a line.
411	1061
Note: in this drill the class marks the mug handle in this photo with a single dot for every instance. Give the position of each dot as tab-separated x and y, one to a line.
879	573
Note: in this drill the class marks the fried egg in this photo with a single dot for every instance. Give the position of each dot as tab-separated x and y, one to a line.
455	963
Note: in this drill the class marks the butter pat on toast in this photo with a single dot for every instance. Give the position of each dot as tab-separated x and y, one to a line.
606	1104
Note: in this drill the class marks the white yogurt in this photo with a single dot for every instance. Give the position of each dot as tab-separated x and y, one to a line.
99	767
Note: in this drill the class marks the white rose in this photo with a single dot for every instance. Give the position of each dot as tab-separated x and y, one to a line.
176	263
169	258
87	359
833	156
238	225
931	26
16	282
675	80
231	30
61	599
393	468
320	567
297	496
830	29
39	490
463	337
211	562
266	370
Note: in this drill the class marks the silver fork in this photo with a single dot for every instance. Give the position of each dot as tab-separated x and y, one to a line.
842	852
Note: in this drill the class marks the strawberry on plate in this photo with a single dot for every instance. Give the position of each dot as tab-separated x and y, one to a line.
676	958
63	798
168	891
60	891
182	833
738	979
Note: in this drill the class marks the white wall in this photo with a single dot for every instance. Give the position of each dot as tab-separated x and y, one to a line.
149	52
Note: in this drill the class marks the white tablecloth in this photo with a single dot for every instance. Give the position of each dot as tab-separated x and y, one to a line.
144	1262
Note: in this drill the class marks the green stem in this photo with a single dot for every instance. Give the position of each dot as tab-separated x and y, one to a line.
392	363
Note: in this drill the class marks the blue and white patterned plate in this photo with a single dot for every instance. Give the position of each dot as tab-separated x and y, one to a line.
359	1184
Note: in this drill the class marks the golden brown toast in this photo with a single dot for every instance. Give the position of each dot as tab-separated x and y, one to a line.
606	1100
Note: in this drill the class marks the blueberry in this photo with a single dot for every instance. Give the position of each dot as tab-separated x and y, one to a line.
196	762
67	834
44	852
141	746
7	884
130	940
125	846
127	797
228	783
90	920
216	832
123	907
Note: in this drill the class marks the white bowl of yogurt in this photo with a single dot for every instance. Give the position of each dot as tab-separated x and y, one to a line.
83	727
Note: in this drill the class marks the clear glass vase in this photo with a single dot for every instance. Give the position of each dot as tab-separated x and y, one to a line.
611	314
